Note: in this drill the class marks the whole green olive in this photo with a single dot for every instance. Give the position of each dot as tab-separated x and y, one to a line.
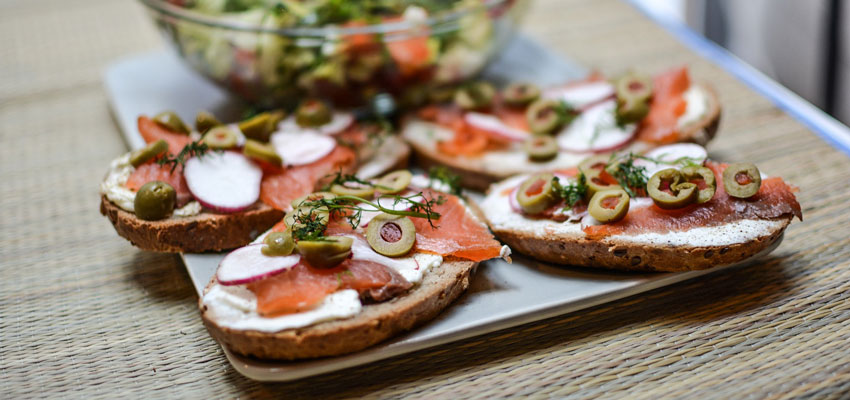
154	200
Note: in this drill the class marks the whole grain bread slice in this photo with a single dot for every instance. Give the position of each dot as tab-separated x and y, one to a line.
202	232
374	324
566	243
210	231
473	176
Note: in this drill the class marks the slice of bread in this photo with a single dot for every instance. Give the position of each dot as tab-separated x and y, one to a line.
202	232
209	231
479	172
566	243
375	322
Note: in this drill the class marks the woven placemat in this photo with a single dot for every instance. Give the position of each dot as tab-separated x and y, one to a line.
84	314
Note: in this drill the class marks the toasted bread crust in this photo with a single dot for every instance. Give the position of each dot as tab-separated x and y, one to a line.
631	256
474	177
203	232
374	324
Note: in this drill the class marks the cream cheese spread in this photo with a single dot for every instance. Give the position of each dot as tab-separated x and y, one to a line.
113	187
696	106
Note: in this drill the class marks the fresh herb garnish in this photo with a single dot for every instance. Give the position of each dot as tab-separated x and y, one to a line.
194	149
572	192
308	227
632	178
350	181
444	175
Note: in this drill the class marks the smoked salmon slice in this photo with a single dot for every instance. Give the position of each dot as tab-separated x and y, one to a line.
278	189
667	105
154	172
304	287
151	132
774	199
456	233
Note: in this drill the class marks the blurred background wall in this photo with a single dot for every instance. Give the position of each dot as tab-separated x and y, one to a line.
802	44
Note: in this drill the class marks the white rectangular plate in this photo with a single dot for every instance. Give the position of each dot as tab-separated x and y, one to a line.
501	295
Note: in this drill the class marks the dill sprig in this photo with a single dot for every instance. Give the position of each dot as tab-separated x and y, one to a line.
343	179
632	178
308	227
447	177
572	192
193	149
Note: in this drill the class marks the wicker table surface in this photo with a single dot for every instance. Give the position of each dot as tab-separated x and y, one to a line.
84	314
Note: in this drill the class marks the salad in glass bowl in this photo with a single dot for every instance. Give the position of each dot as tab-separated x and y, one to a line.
275	52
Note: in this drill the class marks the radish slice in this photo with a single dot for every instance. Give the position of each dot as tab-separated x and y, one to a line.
513	201
596	130
360	250
386	202
226	182
300	148
495	127
667	157
640	202
583	95
248	264
339	122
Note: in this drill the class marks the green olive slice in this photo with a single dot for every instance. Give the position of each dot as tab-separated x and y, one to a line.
633	87
633	94
327	252
154	200
475	96
261	151
520	94
541	148
537	193
171	121
741	180
205	121
312	197
365	192
261	126
609	205
296	218
391	235
312	113
278	243
546	116
631	111
704	179
148	153
221	137
668	191
592	168
394	182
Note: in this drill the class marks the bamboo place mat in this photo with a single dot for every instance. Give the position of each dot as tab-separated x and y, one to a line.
84	314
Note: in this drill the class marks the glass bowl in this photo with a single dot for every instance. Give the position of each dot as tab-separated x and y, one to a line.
277	55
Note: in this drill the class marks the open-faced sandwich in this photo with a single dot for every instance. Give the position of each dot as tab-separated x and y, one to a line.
485	136
347	268
220	185
671	209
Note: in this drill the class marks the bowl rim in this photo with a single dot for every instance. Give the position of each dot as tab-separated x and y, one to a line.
329	31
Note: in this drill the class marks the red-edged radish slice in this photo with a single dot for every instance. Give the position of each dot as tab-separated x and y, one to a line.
386	202
514	202
493	126
249	264
223	181
596	130
361	250
672	156
339	122
300	148
583	95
